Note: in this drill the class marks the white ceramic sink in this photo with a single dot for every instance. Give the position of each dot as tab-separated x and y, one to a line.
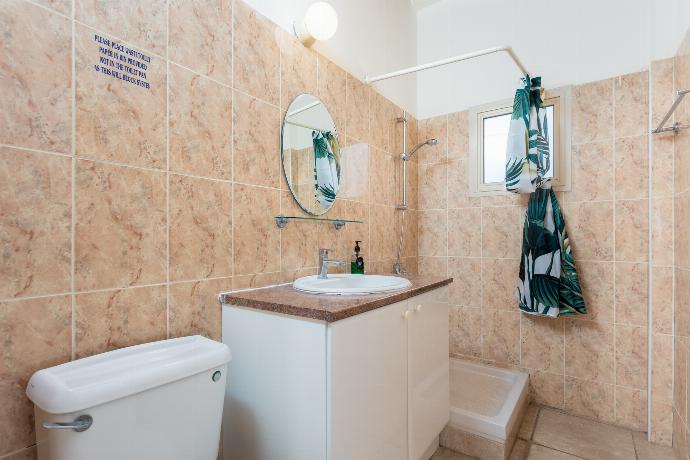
350	284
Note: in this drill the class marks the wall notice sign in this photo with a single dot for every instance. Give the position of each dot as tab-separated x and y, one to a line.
122	62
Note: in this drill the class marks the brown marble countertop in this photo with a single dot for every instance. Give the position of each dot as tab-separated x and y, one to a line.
325	307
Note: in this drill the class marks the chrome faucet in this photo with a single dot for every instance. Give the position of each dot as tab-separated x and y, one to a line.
324	262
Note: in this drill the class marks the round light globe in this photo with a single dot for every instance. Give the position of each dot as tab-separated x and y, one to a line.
321	20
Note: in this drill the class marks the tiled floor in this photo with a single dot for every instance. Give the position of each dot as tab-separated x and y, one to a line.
548	434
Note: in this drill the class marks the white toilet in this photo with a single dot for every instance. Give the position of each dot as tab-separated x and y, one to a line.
161	400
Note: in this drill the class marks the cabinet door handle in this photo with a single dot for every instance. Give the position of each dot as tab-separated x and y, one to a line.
406	314
418	308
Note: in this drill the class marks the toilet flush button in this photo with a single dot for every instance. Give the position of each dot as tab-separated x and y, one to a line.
216	376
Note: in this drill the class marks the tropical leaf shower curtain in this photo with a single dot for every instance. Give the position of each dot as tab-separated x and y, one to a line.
326	166
548	284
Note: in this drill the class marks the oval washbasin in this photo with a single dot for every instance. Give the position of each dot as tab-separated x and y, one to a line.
350	284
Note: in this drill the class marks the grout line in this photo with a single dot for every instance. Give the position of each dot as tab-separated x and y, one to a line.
650	242
167	168
615	195
73	197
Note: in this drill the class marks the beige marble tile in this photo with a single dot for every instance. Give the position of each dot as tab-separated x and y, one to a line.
631	294
17	412
383	189
27	454
61	6
631	104
120	234
194	308
355	157
542	341
537	452
663	92
300	239
200	36
383	247
529	421
35	220
464	235
662	368
466	288
436	128
139	22
502	231
592	172
589	350
458	188
256	239
411	237
200	228
444	453
631	356
331	89
298	69
501	336
382	122
432	266
115	119
632	238
681	221
547	388
499	283
681	162
200	125
590	229
256	54
35	112
596	281
589	399
593	112
254	281
662	424
648	451
256	141
662	165
632	167
682	303
433	233
108	320
662	231
631	408
662	299
357	109
520	450
594	440
458	135
465	331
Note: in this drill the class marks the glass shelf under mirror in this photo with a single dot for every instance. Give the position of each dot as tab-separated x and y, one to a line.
282	221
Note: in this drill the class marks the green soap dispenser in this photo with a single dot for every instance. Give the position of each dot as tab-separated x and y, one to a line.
357	261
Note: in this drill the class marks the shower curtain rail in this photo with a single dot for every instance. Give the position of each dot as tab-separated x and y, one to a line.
442	62
680	94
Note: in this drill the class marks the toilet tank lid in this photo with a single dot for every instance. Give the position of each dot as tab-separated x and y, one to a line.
98	379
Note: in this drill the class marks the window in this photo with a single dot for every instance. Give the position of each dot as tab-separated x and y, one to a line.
489	126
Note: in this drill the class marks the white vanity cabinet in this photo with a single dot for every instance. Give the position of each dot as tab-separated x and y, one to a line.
373	386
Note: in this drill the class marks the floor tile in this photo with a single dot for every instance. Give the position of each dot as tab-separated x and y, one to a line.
582	437
537	452
648	451
520	450
446	454
528	422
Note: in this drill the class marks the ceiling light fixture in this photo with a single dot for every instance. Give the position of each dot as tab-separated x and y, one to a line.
320	23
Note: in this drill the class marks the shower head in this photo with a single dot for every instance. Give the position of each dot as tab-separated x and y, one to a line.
407	155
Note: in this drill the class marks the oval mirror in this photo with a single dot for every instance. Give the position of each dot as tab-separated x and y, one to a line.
311	154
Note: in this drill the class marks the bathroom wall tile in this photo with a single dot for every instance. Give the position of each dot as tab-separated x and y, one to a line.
382	121
256	141
120	234
662	423
256	54
466	288
547	388
343	240
589	399
194	308
139	22
200	125
593	111
35	112
35	220
589	350
464	236
631	294
17	415
596	281
679	377
662	88
465	331
298	69
631	356
592	172
632	237
632	167
458	186
458	136
116	120
61	6
499	281
681	161
682	303
200	228
662	165
256	239
383	246
501	336
357	109
300	239
432	266
662	368
662	299
589	229
631	408
257	280
436	128
331	89
662	231
108	320
502	231
681	75
433	229
356	161
542	343
432	186
27	454
200	37
383	190
631	102
412	185
681	222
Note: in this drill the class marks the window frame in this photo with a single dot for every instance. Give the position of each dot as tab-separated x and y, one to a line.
561	181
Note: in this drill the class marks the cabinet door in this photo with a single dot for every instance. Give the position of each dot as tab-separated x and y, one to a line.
428	370
367	386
